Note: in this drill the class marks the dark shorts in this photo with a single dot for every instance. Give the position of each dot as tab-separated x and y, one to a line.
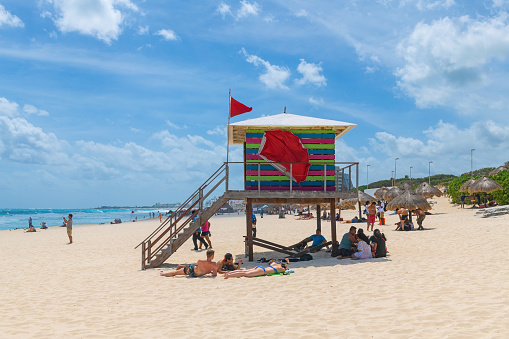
343	252
404	216
189	271
204	234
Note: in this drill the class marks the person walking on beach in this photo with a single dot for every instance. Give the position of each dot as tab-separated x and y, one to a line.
68	225
201	267
160	217
205	232
462	199
30	222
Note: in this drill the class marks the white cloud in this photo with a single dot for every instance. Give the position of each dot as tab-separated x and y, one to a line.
175	126
434	4
445	61
310	74
218	130
448	146
46	14
8	19
143	30
224	9
8	108
370	70
301	13
248	8
22	142
30	109
274	76
316	101
167	34
99	18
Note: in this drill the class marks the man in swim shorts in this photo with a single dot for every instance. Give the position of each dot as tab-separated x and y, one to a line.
403	214
199	269
371	215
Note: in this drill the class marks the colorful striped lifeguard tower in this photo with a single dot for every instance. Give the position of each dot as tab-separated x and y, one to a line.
325	183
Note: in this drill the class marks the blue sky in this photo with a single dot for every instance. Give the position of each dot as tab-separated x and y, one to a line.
125	102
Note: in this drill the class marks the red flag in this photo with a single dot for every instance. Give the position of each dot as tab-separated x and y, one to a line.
279	148
237	108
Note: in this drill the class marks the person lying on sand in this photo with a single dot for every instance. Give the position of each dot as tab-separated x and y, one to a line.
227	264
259	271
199	269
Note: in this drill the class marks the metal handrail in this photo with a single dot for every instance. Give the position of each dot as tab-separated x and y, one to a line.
184	204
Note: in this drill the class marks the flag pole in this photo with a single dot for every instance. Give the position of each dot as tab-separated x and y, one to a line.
228	127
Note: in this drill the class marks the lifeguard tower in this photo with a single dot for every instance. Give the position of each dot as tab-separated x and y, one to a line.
325	183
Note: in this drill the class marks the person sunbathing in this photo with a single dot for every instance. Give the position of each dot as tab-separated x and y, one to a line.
259	271
201	267
227	264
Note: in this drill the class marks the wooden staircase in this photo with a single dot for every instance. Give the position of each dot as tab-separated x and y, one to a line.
175	230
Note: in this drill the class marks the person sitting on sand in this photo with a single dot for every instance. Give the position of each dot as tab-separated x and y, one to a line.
259	271
403	215
31	229
408	226
227	264
199	269
378	244
363	248
347	242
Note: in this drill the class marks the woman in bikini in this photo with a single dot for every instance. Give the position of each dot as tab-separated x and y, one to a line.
259	271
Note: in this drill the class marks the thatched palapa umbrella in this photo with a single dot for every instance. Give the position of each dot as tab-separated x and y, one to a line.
407	185
409	200
360	197
466	185
427	191
381	192
484	184
499	169
393	193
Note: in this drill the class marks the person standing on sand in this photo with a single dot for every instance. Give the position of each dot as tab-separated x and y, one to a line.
160	217
420	217
371	215
199	269
462	199
30	222
68	225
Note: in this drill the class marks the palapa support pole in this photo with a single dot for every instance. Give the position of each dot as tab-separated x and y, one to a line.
249	223
333	223
318	218
228	136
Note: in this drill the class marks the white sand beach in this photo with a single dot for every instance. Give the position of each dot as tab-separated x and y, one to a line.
448	281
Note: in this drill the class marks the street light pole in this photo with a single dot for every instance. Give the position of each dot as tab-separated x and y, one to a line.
471	161
367	176
394	183
411	174
429	172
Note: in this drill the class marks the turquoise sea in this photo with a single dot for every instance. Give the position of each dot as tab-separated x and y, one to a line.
18	218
